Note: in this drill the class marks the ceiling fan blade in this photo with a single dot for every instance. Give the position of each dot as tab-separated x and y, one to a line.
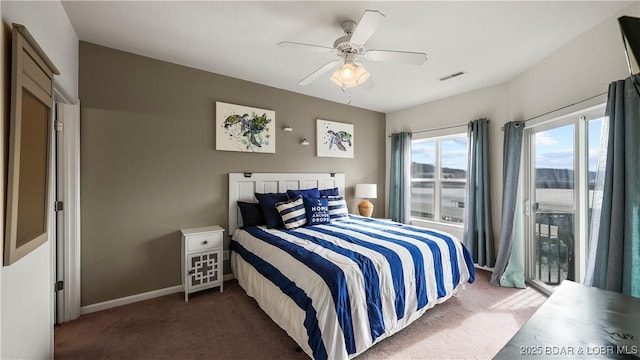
319	72
368	85
402	57
301	46
369	22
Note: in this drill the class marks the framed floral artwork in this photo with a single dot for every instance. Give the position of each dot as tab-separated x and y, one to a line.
245	129
334	139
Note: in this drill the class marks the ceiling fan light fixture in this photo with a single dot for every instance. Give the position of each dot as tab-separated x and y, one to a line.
350	75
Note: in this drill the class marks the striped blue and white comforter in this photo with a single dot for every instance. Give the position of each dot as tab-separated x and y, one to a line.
356	281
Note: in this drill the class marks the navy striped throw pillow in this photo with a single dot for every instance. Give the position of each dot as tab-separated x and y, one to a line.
292	212
337	208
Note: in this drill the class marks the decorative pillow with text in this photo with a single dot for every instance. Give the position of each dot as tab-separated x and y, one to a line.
317	210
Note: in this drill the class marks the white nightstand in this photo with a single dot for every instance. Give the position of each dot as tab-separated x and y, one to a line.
201	259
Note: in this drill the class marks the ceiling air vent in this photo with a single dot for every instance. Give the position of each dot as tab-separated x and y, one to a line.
452	76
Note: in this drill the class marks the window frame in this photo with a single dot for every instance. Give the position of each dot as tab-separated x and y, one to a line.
578	115
438	179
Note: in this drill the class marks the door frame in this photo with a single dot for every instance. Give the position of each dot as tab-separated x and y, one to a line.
68	181
576	114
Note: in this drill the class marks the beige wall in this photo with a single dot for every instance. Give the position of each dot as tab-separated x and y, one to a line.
579	70
149	164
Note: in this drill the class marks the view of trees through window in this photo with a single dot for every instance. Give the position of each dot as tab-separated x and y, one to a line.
438	178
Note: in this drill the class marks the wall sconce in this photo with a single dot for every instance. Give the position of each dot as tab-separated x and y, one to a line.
287	129
304	142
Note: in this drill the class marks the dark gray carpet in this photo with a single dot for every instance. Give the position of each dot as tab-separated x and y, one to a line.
214	325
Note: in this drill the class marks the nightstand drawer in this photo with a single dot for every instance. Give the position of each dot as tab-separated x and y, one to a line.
204	242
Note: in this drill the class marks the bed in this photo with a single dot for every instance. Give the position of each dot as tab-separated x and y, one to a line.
339	288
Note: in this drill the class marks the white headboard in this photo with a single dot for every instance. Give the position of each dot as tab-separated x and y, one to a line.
242	186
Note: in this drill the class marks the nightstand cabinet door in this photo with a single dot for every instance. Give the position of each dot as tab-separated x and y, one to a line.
203	270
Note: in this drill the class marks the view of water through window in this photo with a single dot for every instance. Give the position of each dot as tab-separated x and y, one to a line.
443	177
555	154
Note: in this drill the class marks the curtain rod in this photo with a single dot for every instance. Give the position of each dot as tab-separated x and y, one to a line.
435	129
561	108
502	128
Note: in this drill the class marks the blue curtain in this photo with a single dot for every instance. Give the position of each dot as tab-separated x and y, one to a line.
509	269
400	178
478	224
614	253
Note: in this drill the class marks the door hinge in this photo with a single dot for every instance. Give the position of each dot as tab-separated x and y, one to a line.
58	206
527	209
59	126
59	285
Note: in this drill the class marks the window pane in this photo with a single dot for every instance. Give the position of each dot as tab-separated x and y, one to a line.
595	131
593	143
554	152
554	199
422	199
454	158
452	204
423	159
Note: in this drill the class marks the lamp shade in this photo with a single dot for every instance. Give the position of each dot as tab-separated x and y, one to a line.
350	75
369	191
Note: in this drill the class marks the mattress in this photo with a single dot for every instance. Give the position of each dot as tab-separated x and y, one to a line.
339	288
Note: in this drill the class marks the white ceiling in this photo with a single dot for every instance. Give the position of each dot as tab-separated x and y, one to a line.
491	41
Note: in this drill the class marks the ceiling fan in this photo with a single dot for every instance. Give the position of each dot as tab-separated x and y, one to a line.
350	47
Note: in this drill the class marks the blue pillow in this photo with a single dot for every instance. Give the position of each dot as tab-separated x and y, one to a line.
268	204
338	208
329	192
317	210
251	214
311	193
292	212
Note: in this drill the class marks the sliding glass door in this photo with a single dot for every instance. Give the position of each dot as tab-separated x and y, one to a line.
553	204
561	158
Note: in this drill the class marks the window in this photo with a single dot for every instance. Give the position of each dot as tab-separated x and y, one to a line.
438	178
561	159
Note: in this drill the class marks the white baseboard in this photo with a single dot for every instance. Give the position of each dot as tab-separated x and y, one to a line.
129	299
138	297
486	268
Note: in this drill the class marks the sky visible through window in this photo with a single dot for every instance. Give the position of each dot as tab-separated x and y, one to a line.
454	153
554	147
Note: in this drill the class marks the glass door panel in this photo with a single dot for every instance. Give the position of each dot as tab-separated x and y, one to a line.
553	204
594	140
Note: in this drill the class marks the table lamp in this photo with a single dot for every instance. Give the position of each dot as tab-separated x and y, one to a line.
366	191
